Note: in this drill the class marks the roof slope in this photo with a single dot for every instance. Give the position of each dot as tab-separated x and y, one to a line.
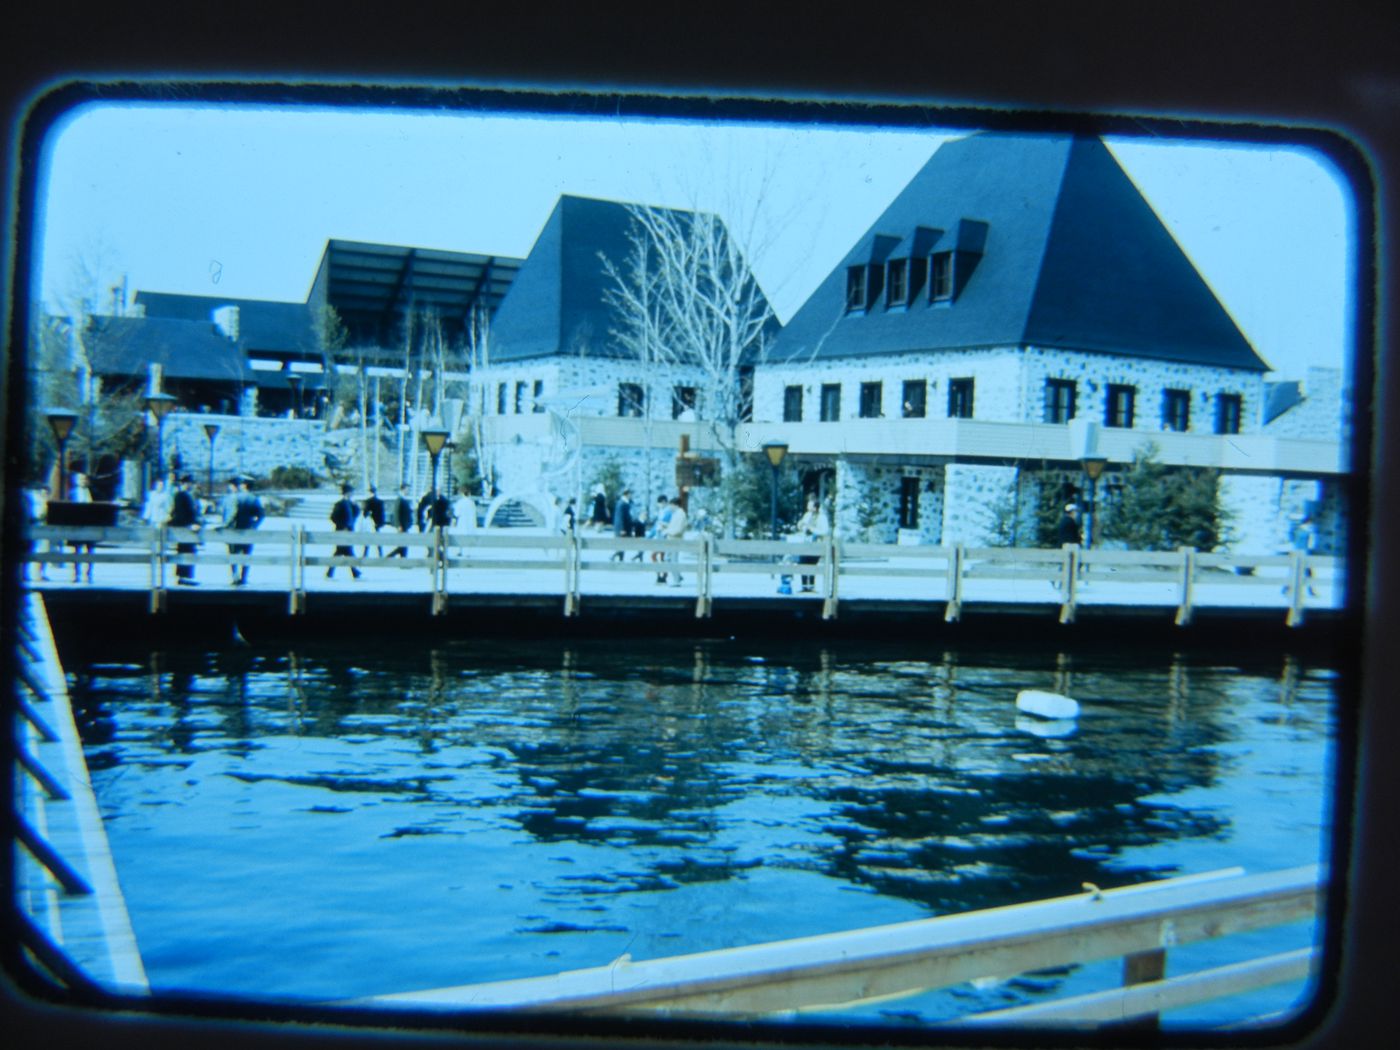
1071	257
262	324
558	301
185	349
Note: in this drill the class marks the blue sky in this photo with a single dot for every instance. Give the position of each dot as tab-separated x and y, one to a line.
240	202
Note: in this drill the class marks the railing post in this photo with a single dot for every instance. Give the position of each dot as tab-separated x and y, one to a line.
952	612
439	574
1069	574
158	569
296	597
1298	575
1142	968
571	576
702	572
833	569
1188	585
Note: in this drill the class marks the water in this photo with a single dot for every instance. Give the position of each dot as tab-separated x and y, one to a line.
348	820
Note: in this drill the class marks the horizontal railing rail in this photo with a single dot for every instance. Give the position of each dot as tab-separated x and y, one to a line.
459	564
1137	923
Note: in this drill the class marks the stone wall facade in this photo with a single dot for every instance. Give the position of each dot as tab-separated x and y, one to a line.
1009	383
244	444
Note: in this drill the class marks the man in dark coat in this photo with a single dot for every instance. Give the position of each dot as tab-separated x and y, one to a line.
184	514
403	519
1068	529
343	516
599	516
622	519
247	516
374	511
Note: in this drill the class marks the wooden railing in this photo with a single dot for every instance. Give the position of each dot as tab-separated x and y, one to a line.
447	564
69	912
1138	924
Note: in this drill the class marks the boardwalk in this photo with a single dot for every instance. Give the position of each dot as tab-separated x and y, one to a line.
500	566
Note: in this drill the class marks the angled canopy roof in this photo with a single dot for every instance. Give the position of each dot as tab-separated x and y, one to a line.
558	303
372	286
1052	246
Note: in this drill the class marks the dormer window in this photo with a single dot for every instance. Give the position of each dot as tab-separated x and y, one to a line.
897	293
940	285
855	288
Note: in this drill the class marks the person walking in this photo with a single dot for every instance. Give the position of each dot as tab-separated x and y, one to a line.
658	531
813	527
343	516
374	514
228	515
599	517
156	511
248	515
1067	531
184	514
675	530
622	521
79	492
38	515
403	519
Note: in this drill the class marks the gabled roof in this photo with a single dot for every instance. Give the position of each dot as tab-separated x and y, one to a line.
1053	247
262	324
185	349
558	302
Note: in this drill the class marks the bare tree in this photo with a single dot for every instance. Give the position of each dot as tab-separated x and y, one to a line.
687	296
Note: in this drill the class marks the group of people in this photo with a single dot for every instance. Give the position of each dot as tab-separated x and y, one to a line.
178	506
669	521
434	510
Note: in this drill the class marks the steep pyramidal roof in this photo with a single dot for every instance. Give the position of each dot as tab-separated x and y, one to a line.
1052	245
558	300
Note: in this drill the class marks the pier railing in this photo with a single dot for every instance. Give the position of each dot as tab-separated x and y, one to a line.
69	909
450	565
1139	924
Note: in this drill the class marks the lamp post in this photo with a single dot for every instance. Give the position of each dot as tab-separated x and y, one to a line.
294	380
435	437
775	451
160	406
61	422
211	431
1093	467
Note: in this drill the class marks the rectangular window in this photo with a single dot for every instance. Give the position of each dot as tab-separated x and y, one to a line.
855	288
1118	406
630	399
520	389
831	402
683	402
908	503
897	292
1227	413
915	398
871	396
1059	400
792	404
940	285
960	399
1176	410
502	392
538	395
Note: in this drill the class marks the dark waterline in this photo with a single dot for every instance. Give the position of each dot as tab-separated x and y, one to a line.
337	820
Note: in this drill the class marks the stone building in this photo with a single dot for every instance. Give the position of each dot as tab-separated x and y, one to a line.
1018	302
560	396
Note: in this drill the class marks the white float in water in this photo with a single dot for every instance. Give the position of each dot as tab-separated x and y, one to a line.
1046	705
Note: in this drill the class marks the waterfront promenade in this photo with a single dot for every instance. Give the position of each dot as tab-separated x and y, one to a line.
572	574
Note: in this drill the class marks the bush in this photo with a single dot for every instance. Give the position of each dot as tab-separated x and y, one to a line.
296	477
1163	508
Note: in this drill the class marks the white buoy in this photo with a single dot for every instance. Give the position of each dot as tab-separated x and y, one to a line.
1046	705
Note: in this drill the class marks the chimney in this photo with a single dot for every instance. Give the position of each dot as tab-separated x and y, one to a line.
226	321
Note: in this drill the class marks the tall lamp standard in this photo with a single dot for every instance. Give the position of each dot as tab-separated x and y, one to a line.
211	431
775	451
61	422
435	437
1093	467
160	405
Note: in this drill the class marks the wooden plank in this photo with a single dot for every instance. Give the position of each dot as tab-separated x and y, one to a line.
887	960
1148	1000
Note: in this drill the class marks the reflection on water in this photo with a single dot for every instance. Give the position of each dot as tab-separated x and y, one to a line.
332	822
